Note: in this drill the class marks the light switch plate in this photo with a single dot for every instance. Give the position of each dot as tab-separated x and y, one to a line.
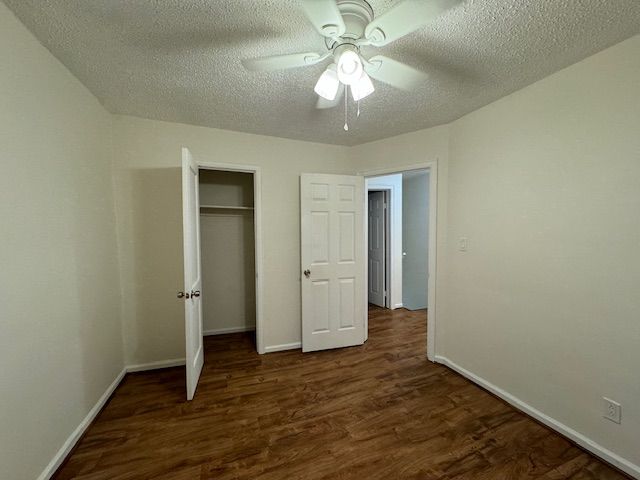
463	244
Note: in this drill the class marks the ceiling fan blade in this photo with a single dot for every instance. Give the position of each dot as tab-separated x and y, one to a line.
323	103
325	17
282	62
394	73
404	18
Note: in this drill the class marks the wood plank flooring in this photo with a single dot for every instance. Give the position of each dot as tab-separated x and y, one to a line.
380	411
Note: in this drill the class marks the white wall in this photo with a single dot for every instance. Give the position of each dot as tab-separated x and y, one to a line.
228	272
415	239
149	211
393	183
60	335
545	184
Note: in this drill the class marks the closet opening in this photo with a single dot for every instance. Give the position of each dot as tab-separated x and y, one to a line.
228	255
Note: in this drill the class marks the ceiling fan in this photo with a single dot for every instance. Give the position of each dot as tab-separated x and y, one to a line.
348	25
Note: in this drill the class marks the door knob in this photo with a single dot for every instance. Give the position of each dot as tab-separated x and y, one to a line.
195	294
307	273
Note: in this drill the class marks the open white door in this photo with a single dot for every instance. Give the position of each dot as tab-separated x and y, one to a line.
192	276
332	250
376	254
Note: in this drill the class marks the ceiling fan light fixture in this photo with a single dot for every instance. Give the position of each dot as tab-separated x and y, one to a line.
328	84
349	67
362	88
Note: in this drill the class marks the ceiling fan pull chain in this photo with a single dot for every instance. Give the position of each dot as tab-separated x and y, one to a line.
346	111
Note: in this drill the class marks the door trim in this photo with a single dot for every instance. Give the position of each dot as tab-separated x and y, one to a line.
432	167
257	227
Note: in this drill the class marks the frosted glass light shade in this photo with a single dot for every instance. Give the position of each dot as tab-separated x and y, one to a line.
349	67
362	88
328	84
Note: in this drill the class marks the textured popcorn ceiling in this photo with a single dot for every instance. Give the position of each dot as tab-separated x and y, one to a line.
179	60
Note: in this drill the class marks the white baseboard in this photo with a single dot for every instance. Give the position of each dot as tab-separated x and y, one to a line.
68	445
586	443
224	331
143	367
284	346
61	455
397	305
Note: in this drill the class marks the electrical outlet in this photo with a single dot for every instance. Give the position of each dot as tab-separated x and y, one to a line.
612	410
463	244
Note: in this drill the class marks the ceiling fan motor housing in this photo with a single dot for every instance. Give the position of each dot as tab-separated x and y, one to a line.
357	14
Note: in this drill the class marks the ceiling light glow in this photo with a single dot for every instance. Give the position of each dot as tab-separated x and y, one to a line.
328	84
362	88
349	67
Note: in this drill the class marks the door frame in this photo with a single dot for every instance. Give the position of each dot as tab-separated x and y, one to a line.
257	227
387	190
432	168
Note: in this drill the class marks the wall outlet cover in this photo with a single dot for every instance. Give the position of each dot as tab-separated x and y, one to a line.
612	410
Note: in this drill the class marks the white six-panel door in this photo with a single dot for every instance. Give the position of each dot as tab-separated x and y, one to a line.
376	254
333	261
192	272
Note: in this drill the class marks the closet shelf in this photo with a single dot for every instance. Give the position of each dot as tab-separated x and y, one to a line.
224	207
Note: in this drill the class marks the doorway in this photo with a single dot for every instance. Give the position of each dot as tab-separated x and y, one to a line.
222	255
334	245
377	251
227	247
409	264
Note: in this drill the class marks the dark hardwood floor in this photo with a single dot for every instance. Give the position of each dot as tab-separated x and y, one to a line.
380	411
